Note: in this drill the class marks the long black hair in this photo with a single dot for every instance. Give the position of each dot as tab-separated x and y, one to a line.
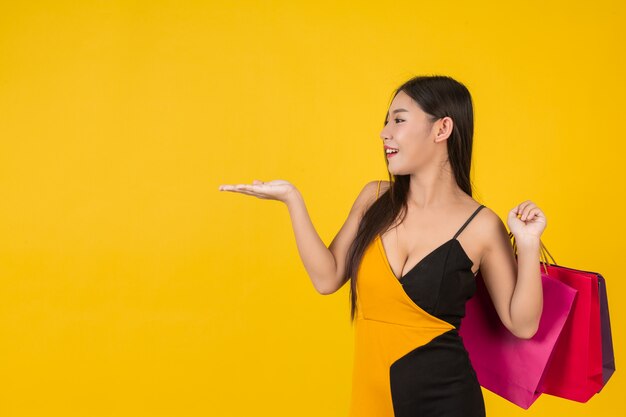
438	96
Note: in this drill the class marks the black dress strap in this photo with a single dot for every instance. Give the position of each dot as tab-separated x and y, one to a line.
468	220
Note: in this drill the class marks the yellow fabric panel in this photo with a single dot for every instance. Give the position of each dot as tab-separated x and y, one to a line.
388	326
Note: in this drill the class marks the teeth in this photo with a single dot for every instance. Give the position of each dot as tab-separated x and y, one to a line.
391	150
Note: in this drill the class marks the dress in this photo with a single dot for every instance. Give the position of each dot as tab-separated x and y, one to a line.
409	359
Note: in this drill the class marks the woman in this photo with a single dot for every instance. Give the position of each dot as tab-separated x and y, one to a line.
411	248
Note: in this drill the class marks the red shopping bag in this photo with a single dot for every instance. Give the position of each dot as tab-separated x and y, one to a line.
575	371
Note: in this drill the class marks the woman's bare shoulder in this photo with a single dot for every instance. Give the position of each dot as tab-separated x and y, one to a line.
384	186
367	195
487	215
488	226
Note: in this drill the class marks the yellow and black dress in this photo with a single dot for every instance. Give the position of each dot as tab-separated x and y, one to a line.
409	359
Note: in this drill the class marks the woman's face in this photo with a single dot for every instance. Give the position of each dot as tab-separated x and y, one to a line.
409	130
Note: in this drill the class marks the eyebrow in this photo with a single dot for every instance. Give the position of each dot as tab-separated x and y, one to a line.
398	111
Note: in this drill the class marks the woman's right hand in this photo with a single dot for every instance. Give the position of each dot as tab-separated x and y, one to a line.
280	190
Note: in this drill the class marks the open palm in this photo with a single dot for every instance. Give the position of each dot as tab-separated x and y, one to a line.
279	190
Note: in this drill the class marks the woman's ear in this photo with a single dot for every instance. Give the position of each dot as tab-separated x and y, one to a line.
444	128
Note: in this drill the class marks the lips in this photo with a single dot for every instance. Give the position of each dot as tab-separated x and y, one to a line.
389	155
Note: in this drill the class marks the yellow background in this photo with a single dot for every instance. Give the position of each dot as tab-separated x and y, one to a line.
131	286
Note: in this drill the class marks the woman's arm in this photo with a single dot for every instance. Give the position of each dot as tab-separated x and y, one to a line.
514	286
326	266
527	300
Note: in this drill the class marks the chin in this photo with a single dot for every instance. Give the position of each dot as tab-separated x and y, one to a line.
397	172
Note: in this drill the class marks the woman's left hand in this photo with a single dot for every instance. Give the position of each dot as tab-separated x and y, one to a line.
532	221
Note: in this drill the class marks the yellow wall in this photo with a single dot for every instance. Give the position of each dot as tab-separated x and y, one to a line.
131	286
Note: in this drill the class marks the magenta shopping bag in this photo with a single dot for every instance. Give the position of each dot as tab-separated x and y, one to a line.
506	365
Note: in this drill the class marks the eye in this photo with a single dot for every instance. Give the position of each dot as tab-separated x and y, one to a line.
396	120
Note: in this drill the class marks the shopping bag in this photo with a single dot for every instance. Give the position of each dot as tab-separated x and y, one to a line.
581	360
584	359
575	371
504	364
608	356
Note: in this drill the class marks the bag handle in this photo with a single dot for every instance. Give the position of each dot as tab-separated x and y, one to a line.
543	259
